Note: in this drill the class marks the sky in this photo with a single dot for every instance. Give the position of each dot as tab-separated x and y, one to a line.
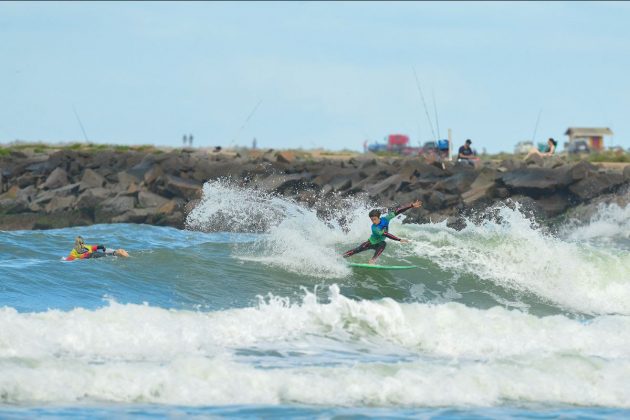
312	74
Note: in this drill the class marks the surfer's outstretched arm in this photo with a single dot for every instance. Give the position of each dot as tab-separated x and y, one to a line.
392	237
416	204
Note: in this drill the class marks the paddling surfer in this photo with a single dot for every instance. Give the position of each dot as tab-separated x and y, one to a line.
81	251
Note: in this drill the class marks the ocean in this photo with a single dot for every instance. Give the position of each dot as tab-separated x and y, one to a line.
251	312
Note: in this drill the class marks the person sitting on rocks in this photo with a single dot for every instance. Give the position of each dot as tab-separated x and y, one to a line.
549	151
380	227
82	251
466	154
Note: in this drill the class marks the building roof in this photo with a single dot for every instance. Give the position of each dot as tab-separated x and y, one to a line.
588	131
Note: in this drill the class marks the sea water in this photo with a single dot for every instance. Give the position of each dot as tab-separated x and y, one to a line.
251	312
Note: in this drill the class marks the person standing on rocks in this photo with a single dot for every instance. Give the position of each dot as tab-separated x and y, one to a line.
81	251
549	151
380	227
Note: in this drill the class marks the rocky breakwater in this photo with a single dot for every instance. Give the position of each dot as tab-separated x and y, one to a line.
75	187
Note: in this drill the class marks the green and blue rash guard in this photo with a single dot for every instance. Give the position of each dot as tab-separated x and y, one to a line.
380	231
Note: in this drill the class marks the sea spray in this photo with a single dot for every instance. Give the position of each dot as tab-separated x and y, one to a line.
610	225
508	249
514	253
297	238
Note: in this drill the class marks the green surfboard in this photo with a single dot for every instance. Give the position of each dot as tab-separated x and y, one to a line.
383	267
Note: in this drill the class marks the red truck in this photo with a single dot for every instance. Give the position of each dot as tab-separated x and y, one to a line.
399	143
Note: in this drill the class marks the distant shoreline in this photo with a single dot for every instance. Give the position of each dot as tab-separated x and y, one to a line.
609	158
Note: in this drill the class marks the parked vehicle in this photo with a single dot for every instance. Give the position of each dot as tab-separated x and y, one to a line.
395	143
523	147
429	146
578	146
377	147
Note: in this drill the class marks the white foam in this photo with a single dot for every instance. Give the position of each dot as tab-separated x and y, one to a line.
204	381
512	253
447	354
609	224
516	254
296	239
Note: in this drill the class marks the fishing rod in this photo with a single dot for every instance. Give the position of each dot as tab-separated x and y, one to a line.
437	122
424	103
251	114
536	126
80	124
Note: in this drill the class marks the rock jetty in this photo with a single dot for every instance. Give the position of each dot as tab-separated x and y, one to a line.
54	189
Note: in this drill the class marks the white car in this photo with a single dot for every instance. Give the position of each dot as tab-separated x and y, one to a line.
523	147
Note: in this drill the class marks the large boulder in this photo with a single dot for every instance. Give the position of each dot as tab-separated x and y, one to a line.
179	187
28	179
26	194
57	178
585	211
44	197
335	175
274	181
482	187
285	157
11	193
581	170
175	219
174	165
92	198
414	168
37	165
118	204
342	182
438	200
534	179
207	170
103	159
554	204
134	216
391	183
510	165
148	199
125	179
457	183
143	167
56	160
596	184
11	202
91	179
169	207
58	204
153	174
296	186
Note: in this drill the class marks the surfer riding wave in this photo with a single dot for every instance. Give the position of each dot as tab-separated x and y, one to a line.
380	231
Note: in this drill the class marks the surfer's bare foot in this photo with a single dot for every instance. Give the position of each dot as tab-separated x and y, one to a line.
372	261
